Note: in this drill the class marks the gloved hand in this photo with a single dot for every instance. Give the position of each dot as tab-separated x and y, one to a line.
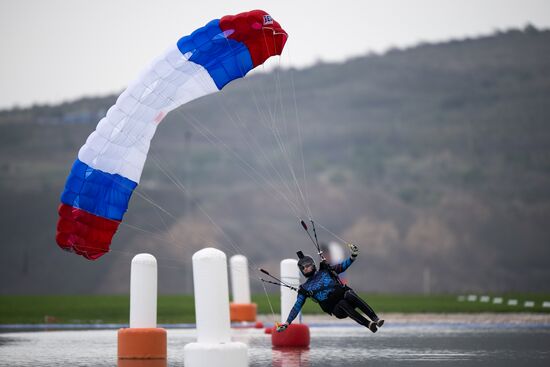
282	327
354	250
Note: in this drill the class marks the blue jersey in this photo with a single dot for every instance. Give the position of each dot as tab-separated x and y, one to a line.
319	286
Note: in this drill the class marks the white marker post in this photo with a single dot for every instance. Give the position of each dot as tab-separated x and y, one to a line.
213	346
143	292
297	334
241	309
290	274
143	340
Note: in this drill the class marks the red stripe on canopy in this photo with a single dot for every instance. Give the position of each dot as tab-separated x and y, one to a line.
84	233
263	36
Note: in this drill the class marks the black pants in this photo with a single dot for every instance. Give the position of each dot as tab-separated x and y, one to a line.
346	308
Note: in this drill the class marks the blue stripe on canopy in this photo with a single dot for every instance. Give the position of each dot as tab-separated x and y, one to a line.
97	192
225	59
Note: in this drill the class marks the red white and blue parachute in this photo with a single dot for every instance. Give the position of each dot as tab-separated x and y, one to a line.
109	164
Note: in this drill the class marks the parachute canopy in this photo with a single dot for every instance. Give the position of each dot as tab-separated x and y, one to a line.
109	164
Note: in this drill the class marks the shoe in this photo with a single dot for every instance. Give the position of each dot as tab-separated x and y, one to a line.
379	322
372	326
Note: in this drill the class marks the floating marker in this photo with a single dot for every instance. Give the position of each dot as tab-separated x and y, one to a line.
529	304
290	275
472	298
497	300
214	346
241	309
143	339
461	298
484	299
546	304
512	302
297	334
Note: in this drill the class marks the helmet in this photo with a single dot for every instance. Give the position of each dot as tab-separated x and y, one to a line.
303	262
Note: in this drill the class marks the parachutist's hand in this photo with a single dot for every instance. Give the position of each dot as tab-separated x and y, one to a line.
282	327
354	250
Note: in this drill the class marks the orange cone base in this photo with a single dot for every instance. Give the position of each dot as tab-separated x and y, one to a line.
142	343
295	336
242	312
142	363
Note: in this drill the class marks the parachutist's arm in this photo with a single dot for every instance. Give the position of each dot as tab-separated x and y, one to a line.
300	300
340	268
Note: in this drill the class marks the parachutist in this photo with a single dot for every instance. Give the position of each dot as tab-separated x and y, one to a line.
324	287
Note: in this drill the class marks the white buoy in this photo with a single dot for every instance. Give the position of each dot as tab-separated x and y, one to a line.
240	287
213	346
143	340
461	298
546	304
241	309
472	298
297	334
143	292
512	302
290	274
497	300
529	304
484	299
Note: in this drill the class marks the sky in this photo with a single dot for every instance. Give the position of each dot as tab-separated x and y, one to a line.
58	50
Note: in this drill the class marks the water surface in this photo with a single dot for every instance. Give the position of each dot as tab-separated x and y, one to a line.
331	345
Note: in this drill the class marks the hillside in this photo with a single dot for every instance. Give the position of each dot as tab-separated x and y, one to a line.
432	159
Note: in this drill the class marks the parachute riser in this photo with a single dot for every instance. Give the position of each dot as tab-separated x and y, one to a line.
277	279
297	290
315	241
281	284
332	273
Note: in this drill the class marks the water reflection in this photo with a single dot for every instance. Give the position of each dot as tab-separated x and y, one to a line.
141	363
290	357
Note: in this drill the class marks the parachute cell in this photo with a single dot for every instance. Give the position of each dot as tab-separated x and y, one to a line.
110	163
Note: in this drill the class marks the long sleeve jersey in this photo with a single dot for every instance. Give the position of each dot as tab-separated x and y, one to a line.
319	286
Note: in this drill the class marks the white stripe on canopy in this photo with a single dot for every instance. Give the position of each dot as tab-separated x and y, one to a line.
121	140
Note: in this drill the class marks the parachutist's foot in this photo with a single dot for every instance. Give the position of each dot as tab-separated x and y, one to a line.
372	326
379	322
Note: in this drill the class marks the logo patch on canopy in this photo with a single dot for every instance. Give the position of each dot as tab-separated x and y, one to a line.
268	19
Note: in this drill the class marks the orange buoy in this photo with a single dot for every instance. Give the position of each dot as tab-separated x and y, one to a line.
143	339
240	312
142	343
142	363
